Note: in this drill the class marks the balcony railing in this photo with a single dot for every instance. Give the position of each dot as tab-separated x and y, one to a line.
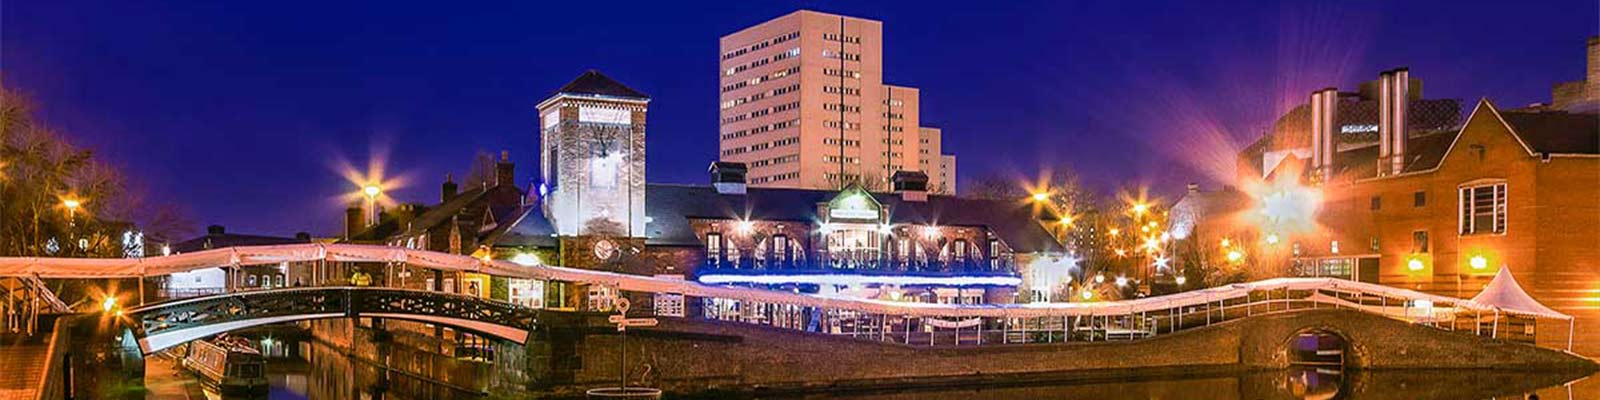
1000	266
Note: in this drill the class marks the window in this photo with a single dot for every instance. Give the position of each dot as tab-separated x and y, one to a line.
1483	209
714	247
1377	202
1419	199
961	250
1374	244
1419	241
1333	247
780	247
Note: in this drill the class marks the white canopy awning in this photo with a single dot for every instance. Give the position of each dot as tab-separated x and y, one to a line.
259	255
1505	294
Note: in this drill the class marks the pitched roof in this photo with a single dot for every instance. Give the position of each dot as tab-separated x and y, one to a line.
1557	132
671	207
593	82
221	240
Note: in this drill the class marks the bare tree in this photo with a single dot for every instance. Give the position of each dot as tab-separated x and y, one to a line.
39	172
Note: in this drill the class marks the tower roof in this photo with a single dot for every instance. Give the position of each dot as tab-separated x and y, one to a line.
593	82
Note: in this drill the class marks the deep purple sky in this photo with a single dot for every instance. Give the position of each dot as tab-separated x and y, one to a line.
239	111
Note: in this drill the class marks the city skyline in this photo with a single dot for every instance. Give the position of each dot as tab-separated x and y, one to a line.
329	103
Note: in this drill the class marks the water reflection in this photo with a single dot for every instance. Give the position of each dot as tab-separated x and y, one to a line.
317	371
1296	383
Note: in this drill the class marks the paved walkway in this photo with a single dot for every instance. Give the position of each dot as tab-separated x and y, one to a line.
21	368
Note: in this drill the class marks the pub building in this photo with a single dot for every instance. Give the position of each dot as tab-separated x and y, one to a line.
591	209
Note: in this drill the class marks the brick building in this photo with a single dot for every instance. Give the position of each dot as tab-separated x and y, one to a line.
1443	210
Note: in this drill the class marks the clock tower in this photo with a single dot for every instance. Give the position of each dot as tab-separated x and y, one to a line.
592	157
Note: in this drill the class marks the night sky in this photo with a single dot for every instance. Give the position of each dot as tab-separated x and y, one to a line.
241	113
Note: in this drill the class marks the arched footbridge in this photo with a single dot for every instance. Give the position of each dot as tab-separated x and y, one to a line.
1503	312
162	325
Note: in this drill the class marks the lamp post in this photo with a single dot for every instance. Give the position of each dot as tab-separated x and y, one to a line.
371	192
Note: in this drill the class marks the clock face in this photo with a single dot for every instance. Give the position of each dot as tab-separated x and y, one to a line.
605	249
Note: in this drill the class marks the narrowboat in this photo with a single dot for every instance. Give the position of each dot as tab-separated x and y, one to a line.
229	363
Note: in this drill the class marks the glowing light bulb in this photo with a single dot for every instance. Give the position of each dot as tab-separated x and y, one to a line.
1272	238
1041	196
109	303
745	226
1088	295
1122	281
1415	264
525	259
1479	262
1226	242
371	190
1181	280
1099	279
1235	256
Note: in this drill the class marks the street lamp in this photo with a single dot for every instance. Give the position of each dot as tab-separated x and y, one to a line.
72	207
1041	196
372	191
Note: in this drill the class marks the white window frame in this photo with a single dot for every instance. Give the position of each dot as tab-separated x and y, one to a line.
1466	211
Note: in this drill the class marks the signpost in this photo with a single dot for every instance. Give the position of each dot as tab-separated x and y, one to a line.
623	322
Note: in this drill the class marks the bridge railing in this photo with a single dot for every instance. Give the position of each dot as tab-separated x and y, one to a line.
1110	321
913	323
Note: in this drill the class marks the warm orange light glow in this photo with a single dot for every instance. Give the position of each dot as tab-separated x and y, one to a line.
1115	231
1041	196
372	191
1272	238
109	304
1121	253
746	226
1235	256
1140	208
1478	262
1226	242
71	204
1415	264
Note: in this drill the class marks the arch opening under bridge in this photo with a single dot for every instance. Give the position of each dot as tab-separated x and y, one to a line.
162	325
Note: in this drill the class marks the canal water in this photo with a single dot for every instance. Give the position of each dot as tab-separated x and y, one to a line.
315	371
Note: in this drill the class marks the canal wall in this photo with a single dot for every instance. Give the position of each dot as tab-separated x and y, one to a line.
697	356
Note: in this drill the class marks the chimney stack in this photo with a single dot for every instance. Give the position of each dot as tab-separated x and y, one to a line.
912	185
1393	97
1593	77
505	171
1324	128
728	177
353	220
447	191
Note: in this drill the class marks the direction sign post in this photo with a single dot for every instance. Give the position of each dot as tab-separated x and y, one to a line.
623	322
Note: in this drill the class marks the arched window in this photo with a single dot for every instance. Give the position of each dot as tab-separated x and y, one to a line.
250	281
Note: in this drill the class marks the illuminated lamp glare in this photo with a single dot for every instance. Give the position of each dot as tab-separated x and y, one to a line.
1041	196
1101	278
109	303
1181	280
1415	264
1479	262
1272	238
525	259
1122	281
1235	256
1088	295
745	226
